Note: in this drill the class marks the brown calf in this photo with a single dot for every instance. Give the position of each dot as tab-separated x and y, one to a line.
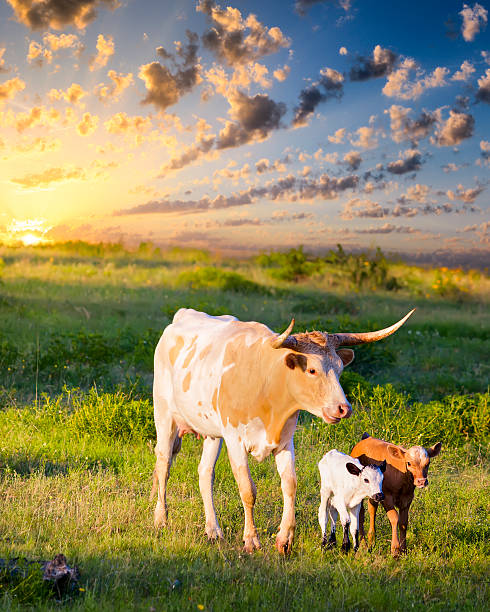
405	470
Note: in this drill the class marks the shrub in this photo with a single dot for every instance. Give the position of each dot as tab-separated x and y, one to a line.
291	265
217	278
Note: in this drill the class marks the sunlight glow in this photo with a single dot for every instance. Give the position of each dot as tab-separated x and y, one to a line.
29	232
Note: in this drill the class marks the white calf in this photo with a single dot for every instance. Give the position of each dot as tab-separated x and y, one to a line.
344	484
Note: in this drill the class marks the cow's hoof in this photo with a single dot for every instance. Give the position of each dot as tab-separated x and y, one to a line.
214	533
395	552
329	543
250	544
345	548
284	544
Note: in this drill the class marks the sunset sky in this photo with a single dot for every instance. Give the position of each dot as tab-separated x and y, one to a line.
247	126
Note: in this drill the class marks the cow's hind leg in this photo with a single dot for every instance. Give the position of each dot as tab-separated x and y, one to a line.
210	453
323	510
285	467
248	492
167	446
334	515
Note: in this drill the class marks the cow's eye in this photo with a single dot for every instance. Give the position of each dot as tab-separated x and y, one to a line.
312	371
366	480
408	462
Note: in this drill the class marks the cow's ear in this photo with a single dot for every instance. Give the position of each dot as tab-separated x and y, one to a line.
396	452
352	469
294	359
347	356
433	451
382	466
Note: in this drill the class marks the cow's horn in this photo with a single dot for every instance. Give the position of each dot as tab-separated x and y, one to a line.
277	341
349	339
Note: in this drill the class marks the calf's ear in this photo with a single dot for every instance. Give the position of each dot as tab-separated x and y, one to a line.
396	452
433	451
382	466
352	469
347	356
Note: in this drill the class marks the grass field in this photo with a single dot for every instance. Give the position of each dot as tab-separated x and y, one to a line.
78	326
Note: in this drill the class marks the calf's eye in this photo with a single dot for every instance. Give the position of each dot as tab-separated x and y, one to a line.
366	480
408	462
312	371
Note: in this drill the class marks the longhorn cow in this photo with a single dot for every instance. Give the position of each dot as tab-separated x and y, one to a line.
226	379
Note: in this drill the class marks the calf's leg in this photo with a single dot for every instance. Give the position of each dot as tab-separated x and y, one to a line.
345	521
248	492
403	523
323	513
210	453
285	467
372	508
354	525
392	514
334	515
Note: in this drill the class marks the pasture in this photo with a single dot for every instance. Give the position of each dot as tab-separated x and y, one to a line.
78	326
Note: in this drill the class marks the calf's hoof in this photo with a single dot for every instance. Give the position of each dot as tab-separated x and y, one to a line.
284	544
213	532
395	552
345	547
250	544
329	543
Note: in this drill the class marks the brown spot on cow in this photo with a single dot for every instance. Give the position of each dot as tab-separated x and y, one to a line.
175	350
215	399
187	382
205	351
190	353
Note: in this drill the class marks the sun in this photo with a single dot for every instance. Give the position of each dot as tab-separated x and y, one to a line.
28	232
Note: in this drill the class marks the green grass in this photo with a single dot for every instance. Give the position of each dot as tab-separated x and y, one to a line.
78	326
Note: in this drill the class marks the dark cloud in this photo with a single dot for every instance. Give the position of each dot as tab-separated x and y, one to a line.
380	64
236	40
287	188
405	128
165	86
387	228
410	163
483	93
57	14
330	85
303	6
256	117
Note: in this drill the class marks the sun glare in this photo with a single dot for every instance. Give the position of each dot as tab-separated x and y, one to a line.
28	232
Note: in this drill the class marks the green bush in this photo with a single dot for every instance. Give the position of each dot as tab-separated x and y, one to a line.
217	278
292	265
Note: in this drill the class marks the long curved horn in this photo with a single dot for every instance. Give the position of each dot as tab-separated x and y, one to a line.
277	341
349	339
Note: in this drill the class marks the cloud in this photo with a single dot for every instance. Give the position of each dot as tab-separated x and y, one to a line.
353	159
281	74
399	85
366	138
483	93
330	85
38	145
468	196
165	87
417	192
49	176
88	124
473	19
236	40
303	6
105	49
380	64
464	73
72	95
63	41
38	55
3	67
122	123
241	78
8	89
338	136
113	91
362	208
457	128
36	116
405	128
410	162
343	51
57	14
278	165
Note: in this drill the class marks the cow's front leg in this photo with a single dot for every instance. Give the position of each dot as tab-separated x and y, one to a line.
285	467
354	526
210	453
403	523
372	508
392	514
344	520
248	492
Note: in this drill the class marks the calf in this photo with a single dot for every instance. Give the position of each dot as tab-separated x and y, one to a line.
406	470
344	484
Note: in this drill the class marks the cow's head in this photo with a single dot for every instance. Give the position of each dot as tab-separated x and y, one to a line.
370	479
314	363
417	461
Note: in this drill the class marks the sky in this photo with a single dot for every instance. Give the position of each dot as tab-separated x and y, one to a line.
248	126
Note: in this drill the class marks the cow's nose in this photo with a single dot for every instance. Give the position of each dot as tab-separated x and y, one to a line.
421	482
344	411
378	497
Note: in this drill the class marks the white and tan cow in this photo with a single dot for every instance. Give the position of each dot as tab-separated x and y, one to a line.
239	381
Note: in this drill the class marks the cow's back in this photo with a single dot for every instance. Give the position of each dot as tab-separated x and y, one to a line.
372	451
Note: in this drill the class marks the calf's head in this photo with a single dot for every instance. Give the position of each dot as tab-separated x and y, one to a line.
370	479
417	461
314	363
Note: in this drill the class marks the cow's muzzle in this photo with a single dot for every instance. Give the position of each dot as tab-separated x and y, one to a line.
333	414
377	497
421	483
